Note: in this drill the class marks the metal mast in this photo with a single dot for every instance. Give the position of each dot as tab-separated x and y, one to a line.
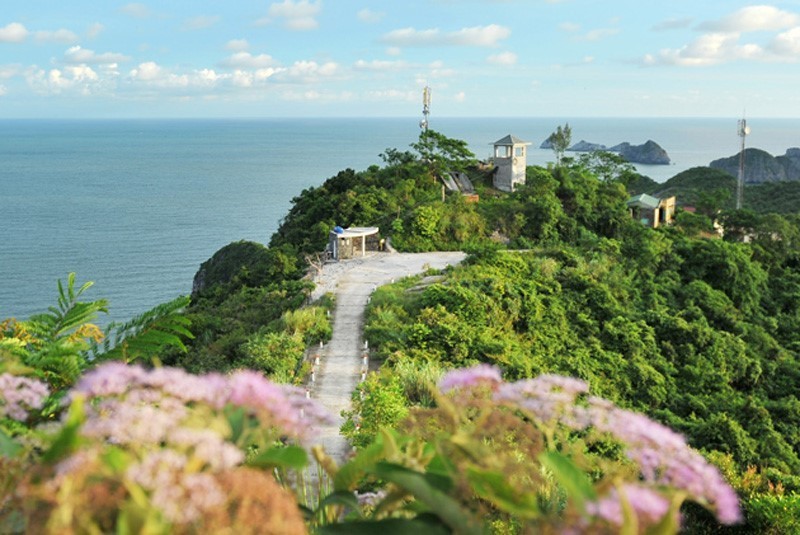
426	108
744	130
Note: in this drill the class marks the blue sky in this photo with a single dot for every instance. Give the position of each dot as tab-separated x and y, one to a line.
317	58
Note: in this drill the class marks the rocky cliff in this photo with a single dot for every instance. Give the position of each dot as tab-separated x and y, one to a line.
650	153
585	146
761	166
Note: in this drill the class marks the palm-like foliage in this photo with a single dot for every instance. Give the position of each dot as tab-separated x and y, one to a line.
145	336
59	337
58	345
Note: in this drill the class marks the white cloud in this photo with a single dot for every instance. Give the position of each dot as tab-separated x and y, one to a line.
3	90
724	40
480	35
58	36
9	71
95	30
309	71
503	58
13	33
155	77
245	79
299	15
370	17
148	71
76	54
569	27
312	95
598	34
136	10
393	95
708	49
200	22
394	51
379	65
245	60
237	45
754	18
787	44
77	79
484	36
460	97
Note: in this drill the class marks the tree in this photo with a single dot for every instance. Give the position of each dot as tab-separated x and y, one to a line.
560	141
608	166
443	153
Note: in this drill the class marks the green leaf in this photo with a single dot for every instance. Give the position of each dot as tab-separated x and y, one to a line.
147	335
8	447
345	498
353	471
391	526
494	488
236	417
418	484
68	439
570	477
116	459
281	457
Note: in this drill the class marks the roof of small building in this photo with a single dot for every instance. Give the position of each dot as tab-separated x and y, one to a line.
356	232
643	201
511	140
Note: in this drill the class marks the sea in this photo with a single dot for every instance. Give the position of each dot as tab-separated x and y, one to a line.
137	205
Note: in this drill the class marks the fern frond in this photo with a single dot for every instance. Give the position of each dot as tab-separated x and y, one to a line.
147	335
70	314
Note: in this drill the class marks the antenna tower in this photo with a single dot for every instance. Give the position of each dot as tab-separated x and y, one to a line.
426	108
744	131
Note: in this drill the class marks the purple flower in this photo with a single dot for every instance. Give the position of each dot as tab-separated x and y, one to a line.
113	378
546	397
480	375
18	395
648	505
662	455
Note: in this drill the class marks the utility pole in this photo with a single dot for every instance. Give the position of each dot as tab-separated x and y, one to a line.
744	130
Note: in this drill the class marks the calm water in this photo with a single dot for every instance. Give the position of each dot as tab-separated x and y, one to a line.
136	206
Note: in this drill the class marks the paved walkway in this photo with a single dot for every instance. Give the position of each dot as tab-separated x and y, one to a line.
341	362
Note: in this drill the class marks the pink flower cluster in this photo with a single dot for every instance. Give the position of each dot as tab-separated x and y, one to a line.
170	390
19	395
646	503
663	456
172	423
465	378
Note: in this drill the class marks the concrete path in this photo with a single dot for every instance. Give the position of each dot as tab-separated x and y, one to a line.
341	362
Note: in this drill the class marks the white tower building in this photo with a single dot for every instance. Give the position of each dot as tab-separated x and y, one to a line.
510	157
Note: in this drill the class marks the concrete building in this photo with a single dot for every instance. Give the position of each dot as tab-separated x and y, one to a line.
510	157
652	211
352	242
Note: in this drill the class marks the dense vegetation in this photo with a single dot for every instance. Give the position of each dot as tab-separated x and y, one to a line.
698	332
710	190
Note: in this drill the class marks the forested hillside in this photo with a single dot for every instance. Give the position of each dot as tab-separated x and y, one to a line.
563	294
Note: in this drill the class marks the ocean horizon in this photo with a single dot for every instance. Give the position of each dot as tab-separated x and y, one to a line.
136	205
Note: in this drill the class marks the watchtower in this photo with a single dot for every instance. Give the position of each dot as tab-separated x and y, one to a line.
510	158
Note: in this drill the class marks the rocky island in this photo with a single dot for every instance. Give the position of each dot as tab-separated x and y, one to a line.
649	153
761	166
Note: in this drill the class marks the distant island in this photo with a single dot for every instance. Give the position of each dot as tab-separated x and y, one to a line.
761	166
649	153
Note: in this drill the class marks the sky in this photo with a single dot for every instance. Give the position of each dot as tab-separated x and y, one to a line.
359	58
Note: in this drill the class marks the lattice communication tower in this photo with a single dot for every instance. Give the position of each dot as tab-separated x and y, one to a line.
426	108
744	131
